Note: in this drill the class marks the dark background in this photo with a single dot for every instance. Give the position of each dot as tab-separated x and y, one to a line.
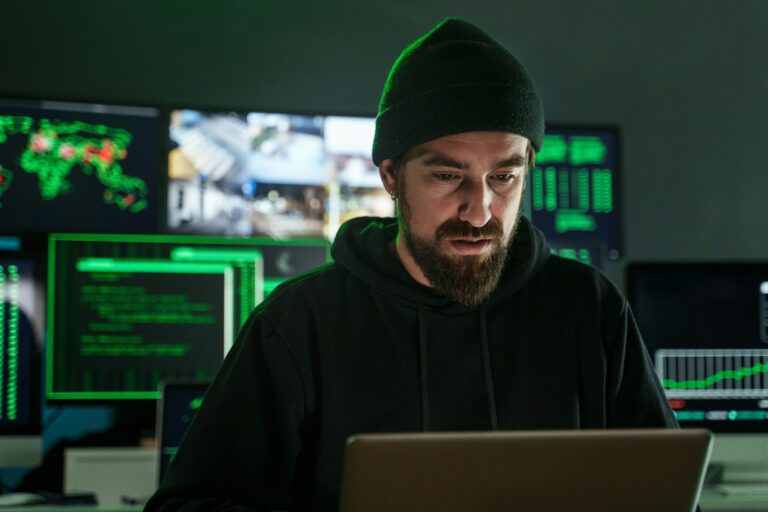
686	81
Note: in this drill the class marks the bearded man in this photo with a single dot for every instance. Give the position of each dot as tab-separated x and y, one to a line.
452	317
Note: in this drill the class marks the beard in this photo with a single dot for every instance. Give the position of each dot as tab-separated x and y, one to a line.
466	279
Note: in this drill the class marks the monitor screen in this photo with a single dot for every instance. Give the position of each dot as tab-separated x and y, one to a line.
706	328
77	167
273	175
178	406
573	188
19	364
128	310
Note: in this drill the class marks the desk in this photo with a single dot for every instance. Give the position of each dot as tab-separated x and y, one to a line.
712	501
69	508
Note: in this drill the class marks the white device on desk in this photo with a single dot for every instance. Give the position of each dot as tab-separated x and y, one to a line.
117	476
589	470
741	458
17	499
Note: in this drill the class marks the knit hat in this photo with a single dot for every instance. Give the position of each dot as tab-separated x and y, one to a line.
455	79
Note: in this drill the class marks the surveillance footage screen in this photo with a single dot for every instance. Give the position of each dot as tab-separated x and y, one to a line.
269	174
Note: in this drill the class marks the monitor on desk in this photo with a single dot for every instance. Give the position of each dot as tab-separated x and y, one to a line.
706	328
129	310
20	441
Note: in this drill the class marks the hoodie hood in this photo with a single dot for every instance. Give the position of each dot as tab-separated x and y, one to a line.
362	246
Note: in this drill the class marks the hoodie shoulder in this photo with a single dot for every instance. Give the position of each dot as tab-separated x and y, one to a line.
584	283
303	286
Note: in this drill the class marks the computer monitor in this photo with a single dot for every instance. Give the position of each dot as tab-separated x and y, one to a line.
126	311
706	328
78	167
573	190
273	175
20	441
177	407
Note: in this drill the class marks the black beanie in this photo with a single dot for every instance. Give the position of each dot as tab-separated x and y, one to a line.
455	79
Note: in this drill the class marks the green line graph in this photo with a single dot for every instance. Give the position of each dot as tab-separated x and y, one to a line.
705	383
713	373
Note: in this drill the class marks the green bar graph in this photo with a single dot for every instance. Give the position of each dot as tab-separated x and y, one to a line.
550	189
602	188
564	189
538	189
2	340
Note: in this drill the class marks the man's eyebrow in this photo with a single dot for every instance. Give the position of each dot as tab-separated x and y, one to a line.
513	161
432	159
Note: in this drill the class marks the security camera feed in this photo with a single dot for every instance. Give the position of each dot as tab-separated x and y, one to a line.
77	167
19	357
574	188
128	311
356	189
271	175
706	328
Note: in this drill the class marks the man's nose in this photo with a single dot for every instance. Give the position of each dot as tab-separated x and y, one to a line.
475	206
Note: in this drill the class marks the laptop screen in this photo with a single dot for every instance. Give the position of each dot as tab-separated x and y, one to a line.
178	405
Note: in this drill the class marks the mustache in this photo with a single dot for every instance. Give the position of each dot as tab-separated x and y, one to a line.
455	228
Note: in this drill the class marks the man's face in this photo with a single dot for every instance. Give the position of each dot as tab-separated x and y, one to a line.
459	203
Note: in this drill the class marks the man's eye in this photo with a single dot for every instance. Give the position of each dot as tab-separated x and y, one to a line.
505	178
444	176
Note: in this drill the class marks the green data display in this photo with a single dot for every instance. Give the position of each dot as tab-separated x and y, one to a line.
9	342
128	311
573	188
16	344
77	167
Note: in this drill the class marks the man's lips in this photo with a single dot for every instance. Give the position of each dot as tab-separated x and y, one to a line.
469	246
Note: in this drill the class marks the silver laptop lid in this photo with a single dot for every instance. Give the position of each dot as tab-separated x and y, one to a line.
598	470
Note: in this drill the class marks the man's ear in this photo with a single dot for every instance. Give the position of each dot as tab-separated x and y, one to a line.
388	176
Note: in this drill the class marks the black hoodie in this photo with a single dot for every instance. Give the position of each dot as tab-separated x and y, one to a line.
359	346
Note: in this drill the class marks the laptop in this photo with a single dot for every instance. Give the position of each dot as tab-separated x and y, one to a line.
178	404
590	470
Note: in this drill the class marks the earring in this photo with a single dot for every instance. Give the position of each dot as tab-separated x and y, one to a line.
393	196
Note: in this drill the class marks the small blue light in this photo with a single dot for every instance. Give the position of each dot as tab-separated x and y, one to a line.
10	243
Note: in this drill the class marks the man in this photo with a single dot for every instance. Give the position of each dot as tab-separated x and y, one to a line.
452	317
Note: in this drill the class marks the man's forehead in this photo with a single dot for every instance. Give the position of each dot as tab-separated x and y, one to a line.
503	144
